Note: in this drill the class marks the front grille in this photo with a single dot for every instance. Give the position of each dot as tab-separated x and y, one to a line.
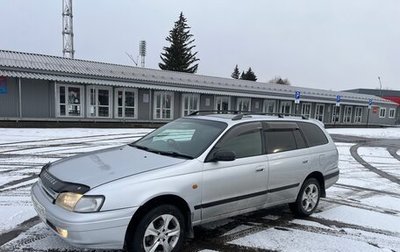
49	192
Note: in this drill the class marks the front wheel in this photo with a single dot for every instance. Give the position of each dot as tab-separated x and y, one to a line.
308	198
161	229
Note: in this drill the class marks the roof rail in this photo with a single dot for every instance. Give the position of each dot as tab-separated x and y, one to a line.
215	111
240	114
280	115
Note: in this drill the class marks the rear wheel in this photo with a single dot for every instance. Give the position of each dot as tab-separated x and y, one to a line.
161	229
308	198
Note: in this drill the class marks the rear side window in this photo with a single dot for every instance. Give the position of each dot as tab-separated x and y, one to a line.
279	140
313	134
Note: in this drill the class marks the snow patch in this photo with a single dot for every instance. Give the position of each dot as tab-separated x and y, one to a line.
388	133
361	217
298	241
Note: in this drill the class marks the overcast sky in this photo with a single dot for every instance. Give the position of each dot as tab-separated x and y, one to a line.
336	45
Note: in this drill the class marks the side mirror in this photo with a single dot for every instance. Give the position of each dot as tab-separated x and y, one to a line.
224	156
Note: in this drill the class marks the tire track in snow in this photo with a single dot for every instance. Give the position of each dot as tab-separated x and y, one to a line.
359	188
24	226
356	156
393	152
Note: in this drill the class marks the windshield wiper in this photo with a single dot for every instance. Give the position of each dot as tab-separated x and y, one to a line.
138	146
175	154
167	153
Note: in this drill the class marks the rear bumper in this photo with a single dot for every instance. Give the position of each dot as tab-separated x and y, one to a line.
331	178
104	230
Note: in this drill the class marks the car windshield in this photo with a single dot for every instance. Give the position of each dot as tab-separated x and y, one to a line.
185	137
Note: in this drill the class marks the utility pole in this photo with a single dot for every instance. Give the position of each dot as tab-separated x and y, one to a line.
68	31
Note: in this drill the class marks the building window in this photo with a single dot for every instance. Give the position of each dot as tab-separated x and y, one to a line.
243	104
335	114
358	115
286	107
306	109
126	103
191	103
69	99
269	106
163	105
392	113
222	103
319	112
382	112
99	101
347	114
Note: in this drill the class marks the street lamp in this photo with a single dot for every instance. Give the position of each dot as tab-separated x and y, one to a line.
380	85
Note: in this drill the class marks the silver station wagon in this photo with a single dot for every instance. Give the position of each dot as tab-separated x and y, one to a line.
148	195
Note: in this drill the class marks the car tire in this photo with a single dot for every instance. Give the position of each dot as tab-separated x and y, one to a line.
161	229
307	199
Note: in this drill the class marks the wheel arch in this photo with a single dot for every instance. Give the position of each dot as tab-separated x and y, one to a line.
318	176
168	199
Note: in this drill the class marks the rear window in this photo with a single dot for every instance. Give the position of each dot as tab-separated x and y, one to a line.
313	134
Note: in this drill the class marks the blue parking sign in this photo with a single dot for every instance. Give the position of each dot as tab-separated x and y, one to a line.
338	98
297	97
3	85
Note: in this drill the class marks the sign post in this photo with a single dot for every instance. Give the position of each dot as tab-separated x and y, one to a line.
369	110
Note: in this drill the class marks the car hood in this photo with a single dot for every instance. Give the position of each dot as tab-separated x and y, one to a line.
100	167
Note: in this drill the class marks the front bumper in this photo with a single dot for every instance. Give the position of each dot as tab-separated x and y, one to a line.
104	229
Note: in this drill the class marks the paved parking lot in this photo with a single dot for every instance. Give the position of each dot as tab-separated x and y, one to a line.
361	212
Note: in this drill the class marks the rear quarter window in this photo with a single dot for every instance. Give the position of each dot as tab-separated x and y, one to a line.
313	134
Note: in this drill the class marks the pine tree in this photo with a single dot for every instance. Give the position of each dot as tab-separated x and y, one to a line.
178	56
279	80
243	76
249	75
235	73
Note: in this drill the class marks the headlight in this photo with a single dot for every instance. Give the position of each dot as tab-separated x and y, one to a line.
75	202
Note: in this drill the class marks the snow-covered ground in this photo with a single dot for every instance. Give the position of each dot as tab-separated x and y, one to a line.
388	133
361	212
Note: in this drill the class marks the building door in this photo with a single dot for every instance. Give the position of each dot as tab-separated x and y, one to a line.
347	114
319	112
358	115
286	107
222	103
335	114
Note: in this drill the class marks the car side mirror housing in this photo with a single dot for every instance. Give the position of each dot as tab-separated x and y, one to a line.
224	156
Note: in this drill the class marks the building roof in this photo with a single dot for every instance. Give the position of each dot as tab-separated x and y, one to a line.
59	69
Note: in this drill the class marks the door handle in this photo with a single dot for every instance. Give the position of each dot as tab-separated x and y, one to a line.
259	169
305	161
